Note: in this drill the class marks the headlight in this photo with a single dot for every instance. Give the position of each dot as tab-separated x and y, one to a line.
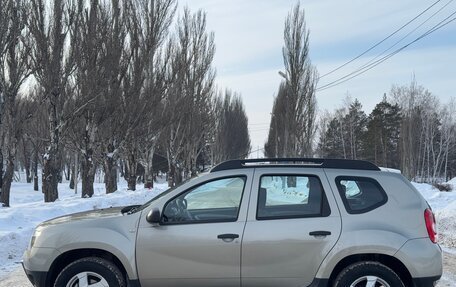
36	233
32	241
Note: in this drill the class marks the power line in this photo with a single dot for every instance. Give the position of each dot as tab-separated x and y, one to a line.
366	68
377	44
408	34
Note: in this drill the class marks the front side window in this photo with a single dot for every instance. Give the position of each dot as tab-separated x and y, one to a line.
214	201
360	194
291	196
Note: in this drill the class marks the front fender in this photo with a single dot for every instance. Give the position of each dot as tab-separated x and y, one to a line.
118	245
116	235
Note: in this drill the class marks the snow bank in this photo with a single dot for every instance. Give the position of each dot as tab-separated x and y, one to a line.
452	182
28	210
444	207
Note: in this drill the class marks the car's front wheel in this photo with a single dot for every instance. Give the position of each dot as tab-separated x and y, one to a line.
368	274
90	272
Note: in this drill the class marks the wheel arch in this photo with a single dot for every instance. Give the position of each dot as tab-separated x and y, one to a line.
72	255
387	260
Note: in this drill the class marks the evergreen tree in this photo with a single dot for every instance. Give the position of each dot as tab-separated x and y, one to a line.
381	143
354	128
332	146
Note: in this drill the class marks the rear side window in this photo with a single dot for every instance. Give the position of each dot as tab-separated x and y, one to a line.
291	196
360	194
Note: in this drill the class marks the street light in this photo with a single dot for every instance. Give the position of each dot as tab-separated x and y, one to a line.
283	75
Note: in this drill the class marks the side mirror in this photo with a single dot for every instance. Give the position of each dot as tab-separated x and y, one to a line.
154	217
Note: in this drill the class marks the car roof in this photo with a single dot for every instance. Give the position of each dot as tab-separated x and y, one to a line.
296	162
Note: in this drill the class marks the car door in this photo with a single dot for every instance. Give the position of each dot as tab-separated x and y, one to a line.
198	242
293	223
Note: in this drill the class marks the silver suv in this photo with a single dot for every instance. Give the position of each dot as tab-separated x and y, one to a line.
268	222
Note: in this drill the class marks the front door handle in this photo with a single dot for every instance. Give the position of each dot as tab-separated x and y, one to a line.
320	233
228	236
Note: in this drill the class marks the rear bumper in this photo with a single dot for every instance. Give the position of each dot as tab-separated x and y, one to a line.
37	278
422	258
426	281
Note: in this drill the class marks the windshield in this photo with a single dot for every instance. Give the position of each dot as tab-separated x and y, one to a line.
160	195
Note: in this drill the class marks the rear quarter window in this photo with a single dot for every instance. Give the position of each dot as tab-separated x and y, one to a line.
360	194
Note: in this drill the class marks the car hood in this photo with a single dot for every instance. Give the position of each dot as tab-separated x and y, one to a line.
84	216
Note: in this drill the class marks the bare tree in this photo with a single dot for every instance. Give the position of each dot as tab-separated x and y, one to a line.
156	18
112	131
91	29
232	140
189	98
448	135
4	15
36	131
301	82
14	63
427	132
298	92
275	145
53	64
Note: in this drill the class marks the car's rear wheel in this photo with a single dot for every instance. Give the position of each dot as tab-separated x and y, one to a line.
368	274
90	272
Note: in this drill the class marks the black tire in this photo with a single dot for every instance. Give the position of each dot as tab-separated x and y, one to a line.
356	271
101	267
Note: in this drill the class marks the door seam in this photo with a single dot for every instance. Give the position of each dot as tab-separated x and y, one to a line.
245	225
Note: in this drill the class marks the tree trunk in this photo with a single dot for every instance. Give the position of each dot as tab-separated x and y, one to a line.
27	164
35	171
68	173
87	175
71	171
178	176
110	169
1	165
131	182
110	175
171	174
71	178
50	177
148	170
76	173
130	170
11	150
122	168
51	164
6	184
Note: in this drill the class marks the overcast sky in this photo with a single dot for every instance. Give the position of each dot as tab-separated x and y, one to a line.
249	39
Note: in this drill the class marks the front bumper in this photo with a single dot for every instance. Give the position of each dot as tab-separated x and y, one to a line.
426	281
37	278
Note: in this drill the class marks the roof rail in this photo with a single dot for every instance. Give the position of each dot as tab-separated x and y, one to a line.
301	162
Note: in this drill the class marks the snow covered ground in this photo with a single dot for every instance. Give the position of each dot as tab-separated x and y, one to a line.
27	210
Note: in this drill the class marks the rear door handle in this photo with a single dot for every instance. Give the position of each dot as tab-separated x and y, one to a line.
228	236
320	233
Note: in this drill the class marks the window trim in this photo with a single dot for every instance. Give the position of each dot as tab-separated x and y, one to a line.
360	178
241	176
325	209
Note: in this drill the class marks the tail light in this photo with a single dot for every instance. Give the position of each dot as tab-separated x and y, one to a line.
431	227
